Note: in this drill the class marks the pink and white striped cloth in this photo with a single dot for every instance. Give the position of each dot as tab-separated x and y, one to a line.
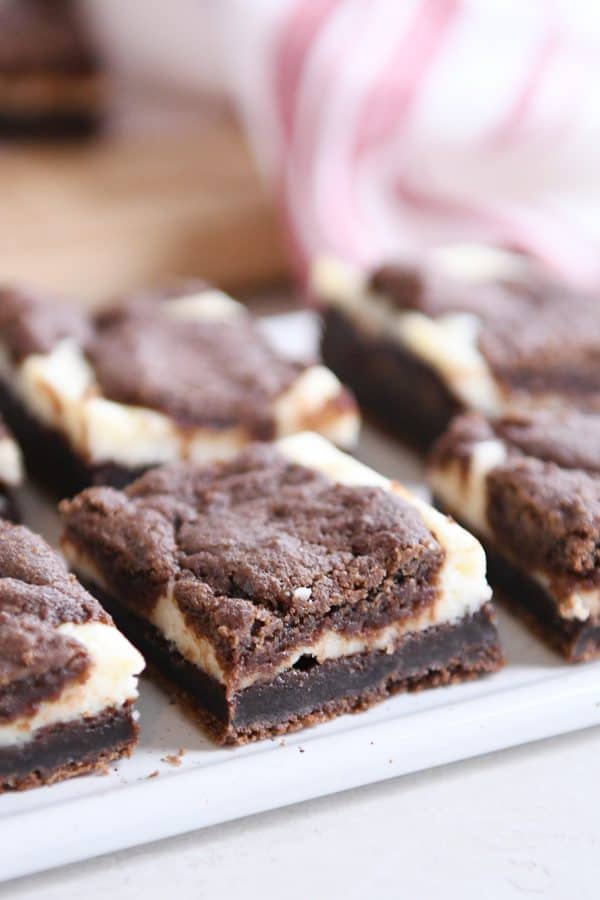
391	127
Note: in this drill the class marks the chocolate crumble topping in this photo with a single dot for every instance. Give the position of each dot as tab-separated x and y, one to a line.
550	514
212	373
543	503
570	439
456	443
30	324
202	373
259	553
537	336
36	595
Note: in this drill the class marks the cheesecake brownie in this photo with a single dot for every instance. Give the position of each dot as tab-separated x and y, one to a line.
528	485
67	676
11	473
286	586
50	75
480	330
157	378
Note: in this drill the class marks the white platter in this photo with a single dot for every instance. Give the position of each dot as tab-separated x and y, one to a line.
535	696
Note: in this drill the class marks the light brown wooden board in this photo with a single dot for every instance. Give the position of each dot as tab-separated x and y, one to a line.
91	220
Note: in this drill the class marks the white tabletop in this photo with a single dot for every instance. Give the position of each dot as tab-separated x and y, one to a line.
517	823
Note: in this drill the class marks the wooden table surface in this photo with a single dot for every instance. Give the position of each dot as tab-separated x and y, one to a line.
133	208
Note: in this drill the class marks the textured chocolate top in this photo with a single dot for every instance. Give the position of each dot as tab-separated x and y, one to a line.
548	515
30	324
544	501
213	373
43	35
569	438
217	374
535	335
36	595
260	553
456	443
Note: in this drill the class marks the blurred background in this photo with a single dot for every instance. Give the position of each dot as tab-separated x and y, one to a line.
234	140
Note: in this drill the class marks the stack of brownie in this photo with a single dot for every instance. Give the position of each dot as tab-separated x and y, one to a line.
68	678
483	356
51	82
273	580
528	485
157	378
479	330
285	586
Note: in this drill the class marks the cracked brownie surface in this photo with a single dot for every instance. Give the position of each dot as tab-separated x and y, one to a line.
569	439
201	373
535	335
36	595
549	515
206	372
260	553
30	324
543	500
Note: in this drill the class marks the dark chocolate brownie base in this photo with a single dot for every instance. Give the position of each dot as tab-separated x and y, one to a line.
391	384
49	458
68	749
8	505
48	126
311	692
576	640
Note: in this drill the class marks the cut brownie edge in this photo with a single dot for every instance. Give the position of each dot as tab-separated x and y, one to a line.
68	677
110	431
49	457
68	749
284	587
527	486
397	389
9	508
312	692
576	640
408	336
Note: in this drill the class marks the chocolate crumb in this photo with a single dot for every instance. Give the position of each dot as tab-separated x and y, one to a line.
174	759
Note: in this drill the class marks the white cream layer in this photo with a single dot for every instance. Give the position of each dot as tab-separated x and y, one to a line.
112	681
462	487
11	464
59	388
462	581
463	490
448	343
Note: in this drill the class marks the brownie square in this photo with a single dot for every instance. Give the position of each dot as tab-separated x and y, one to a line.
480	330
67	676
286	586
181	374
528	485
51	83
